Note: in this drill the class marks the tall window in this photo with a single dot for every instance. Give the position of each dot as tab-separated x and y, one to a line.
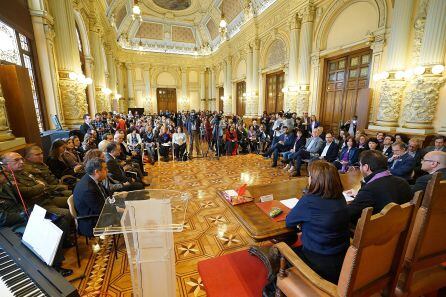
15	48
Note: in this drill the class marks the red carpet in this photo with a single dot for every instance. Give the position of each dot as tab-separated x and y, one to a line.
234	275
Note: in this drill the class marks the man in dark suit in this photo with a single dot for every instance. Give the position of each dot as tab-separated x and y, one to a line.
117	172
89	195
413	149
379	187
387	146
283	146
330	150
401	163
439	145
432	162
87	125
312	149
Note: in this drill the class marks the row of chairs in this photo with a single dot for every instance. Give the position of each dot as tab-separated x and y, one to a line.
398	252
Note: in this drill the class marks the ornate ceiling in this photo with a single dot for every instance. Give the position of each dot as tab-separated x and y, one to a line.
179	26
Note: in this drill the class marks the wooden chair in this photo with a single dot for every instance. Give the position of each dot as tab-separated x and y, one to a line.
372	262
422	271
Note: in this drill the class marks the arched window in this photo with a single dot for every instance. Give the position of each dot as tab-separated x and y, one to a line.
15	48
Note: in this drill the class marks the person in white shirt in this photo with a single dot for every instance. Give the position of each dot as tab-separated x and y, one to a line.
134	140
106	139
179	143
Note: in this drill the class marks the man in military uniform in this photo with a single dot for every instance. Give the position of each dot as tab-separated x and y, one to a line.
33	190
34	165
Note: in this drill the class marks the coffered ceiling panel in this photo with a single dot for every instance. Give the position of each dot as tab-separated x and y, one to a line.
212	28
150	31
182	34
179	26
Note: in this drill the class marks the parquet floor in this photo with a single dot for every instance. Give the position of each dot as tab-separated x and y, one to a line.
210	230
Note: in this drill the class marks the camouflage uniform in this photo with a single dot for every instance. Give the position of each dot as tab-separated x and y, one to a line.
34	192
42	172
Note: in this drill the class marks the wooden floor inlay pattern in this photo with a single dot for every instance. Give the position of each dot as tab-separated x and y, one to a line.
210	229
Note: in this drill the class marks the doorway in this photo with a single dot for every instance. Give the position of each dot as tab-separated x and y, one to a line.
274	95
240	99
166	99
345	91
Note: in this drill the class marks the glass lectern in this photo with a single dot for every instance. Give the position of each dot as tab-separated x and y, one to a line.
147	219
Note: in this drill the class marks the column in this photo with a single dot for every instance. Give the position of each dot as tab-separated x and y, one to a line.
209	96
305	44
111	78
130	92
227	102
147	99
202	90
422	92
72	93
249	71
255	77
184	98
292	81
39	20
120	78
391	92
214	98
99	79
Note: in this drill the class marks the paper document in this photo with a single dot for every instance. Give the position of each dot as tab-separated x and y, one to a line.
348	198
231	193
41	235
290	203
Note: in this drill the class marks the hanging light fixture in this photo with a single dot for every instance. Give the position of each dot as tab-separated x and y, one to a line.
223	24
140	45
136	10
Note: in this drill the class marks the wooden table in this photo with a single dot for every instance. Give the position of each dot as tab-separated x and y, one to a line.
258	224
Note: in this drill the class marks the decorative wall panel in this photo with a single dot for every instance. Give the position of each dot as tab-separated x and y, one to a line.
276	53
120	15
182	34
212	28
150	31
231	8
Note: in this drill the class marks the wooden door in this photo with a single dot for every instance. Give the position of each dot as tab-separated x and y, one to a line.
241	101
274	95
221	93
167	99
345	77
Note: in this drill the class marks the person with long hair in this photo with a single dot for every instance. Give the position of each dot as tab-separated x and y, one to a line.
55	161
89	142
348	156
78	146
323	218
71	157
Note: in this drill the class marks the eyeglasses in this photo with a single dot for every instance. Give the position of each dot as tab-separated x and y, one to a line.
427	160
16	160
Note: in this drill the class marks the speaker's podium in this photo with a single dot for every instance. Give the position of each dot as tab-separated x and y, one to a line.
147	219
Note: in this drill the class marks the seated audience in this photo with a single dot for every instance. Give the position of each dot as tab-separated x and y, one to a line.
106	139
438	145
330	150
348	155
401	138
413	149
401	163
134	141
12	215
71	157
379	187
311	151
89	142
252	138
362	143
231	141
387	146
89	195
264	139
380	138
34	190
109	183
282	145
179	143
78	146
117	172
242	137
292	153
149	141
130	156
87	125
164	140
434	161
373	144
323	218
34	165
313	123
57	164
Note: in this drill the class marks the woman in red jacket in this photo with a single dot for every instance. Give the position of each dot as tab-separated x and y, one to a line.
231	141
